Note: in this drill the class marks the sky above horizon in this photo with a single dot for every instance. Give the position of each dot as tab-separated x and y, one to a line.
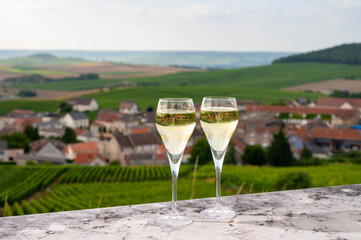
208	25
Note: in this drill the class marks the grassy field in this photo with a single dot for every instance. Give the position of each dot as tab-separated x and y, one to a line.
269	76
148	96
33	71
75	85
41	189
37	106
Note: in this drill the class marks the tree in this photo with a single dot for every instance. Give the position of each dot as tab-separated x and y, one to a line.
306	153
17	140
202	150
279	153
32	133
65	108
69	136
254	155
231	154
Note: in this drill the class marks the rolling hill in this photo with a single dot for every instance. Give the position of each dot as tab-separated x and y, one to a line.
346	53
38	60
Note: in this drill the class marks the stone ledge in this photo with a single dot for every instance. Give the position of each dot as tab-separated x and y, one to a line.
319	213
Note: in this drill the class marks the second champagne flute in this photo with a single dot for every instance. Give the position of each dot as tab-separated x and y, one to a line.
175	121
219	119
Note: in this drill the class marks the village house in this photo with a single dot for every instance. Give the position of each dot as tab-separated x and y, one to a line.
72	150
75	120
128	107
106	120
302	115
90	159
44	150
48	129
84	135
340	103
161	157
21	123
14	152
83	104
121	147
20	113
4	157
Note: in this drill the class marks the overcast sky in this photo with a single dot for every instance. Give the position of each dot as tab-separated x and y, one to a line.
218	25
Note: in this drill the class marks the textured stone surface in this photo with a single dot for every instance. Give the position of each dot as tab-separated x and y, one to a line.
320	213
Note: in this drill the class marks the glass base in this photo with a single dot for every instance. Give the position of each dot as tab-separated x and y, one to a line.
218	213
174	220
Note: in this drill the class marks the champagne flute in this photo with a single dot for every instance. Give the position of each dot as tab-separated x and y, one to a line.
175	121
219	119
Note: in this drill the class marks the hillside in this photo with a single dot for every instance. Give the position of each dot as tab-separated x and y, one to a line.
38	60
346	53
269	76
197	59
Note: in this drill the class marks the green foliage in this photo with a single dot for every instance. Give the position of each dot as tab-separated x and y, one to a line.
230	157
346	53
341	94
30	163
114	163
69	136
27	93
306	153
326	117
294	180
310	162
65	108
284	116
201	150
17	140
89	76
279	153
254	155
32	133
311	116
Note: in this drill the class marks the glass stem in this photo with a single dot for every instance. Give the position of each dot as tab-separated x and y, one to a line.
174	193
218	187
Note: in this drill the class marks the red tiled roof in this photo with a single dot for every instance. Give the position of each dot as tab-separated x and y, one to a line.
337	102
21	111
342	113
27	120
337	134
84	147
88	157
140	130
79	131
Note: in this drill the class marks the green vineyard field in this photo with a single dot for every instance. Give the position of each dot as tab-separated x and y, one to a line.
41	189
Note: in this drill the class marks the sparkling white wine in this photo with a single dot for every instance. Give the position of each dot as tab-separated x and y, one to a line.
175	127
218	124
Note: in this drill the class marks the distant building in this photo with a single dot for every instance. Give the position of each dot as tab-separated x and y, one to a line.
20	113
90	159
53	128
128	107
72	150
83	104
44	150
75	120
341	103
121	147
4	157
